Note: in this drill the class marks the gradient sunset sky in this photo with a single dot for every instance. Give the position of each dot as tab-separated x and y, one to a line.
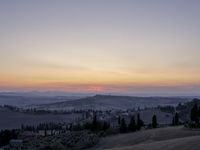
100	46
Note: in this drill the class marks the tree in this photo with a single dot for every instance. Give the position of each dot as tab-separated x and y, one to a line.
132	124
45	132
173	121
176	119
94	122
154	121
194	113
123	126
106	125
119	120
139	122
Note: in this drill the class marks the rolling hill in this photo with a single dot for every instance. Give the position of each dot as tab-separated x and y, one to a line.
107	102
170	138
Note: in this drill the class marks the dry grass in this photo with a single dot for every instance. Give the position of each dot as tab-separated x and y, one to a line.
170	138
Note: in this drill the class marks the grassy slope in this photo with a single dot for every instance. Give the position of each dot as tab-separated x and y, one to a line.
186	143
169	138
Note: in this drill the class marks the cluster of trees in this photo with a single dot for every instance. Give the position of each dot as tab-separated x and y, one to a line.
94	126
10	107
42	126
7	135
175	120
38	111
195	114
133	125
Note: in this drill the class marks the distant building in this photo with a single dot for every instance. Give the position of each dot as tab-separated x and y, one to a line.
16	144
7	147
29	135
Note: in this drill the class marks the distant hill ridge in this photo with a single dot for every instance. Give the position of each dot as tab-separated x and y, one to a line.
105	102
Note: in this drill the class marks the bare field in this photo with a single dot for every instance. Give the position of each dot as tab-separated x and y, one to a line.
13	120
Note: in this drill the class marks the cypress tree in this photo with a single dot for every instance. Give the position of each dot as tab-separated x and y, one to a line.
138	122
154	121
45	132
132	124
106	125
94	123
176	119
123	126
173	121
119	120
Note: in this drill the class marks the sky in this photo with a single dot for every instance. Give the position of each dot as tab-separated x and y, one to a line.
100	46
